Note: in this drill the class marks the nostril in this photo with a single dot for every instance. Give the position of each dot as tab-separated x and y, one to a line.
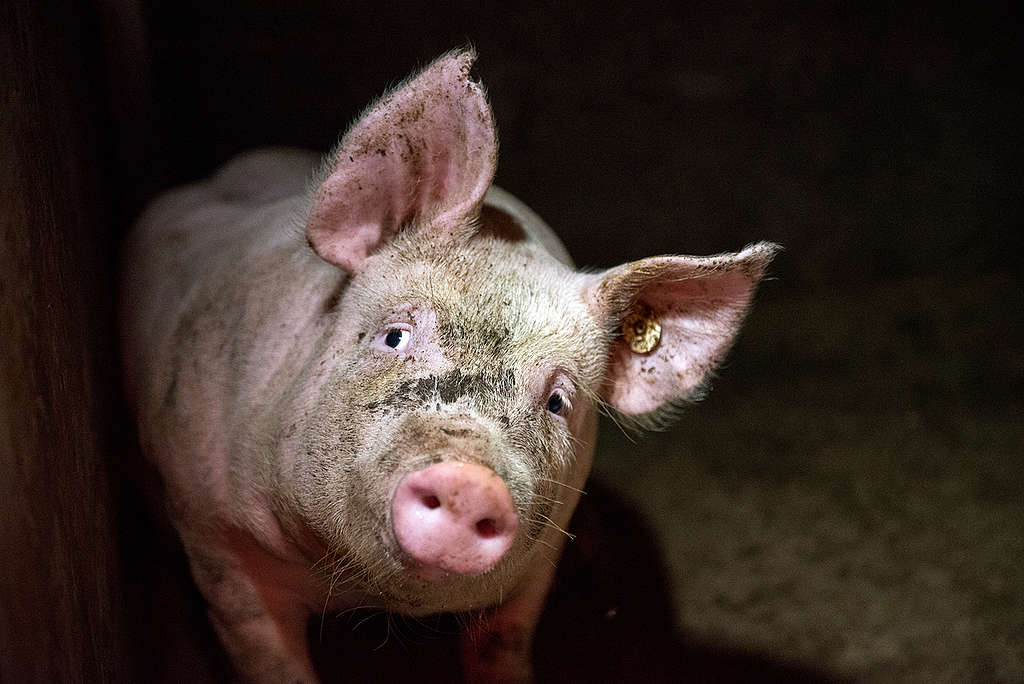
487	528
454	517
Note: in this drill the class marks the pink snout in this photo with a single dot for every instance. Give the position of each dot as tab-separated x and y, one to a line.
455	517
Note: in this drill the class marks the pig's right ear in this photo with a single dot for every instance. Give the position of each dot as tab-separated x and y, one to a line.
424	155
672	319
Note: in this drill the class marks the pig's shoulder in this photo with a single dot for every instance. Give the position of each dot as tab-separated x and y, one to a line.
502	206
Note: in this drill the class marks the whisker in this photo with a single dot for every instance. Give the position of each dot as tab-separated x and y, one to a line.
544	543
551	523
562	484
387	632
320	564
360	623
550	500
615	417
327	601
552	563
365	606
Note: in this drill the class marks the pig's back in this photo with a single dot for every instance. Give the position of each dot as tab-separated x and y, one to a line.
190	235
535	227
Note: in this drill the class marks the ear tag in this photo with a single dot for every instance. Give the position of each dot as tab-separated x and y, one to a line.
641	330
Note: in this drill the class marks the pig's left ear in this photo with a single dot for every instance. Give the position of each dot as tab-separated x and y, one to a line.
423	156
673	319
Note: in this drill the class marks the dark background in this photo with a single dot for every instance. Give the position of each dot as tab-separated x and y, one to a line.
848	502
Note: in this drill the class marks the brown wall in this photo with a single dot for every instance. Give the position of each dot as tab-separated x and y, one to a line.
60	590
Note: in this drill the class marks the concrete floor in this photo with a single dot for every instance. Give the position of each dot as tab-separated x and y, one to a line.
848	502
849	497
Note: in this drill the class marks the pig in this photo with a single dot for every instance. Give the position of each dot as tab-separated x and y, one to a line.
374	381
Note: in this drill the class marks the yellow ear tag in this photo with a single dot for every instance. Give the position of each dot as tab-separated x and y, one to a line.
641	330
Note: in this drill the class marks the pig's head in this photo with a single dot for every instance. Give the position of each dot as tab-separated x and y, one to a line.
454	425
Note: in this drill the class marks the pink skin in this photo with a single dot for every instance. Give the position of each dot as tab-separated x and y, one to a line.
454	517
447	149
214	399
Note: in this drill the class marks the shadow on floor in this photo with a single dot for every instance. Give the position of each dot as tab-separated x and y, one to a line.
609	619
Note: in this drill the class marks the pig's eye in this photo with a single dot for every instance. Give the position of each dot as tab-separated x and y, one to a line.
394	338
397	338
557	403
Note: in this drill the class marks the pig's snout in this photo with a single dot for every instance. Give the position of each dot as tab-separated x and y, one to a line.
454	517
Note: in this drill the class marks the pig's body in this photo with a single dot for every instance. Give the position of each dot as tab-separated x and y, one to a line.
381	391
217	270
